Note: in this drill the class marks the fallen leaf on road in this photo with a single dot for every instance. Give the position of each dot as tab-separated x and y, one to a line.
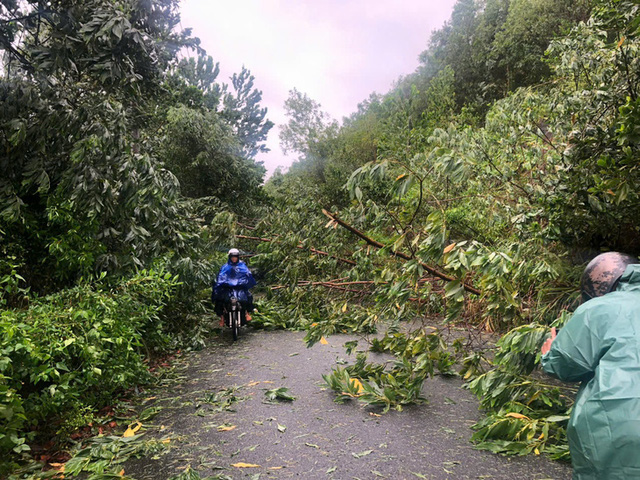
226	428
281	393
245	465
374	414
282	428
362	454
276	468
252	384
323	341
130	432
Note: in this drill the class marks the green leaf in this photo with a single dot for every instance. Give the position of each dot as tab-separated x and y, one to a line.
362	454
281	393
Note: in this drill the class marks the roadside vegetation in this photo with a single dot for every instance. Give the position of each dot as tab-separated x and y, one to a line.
465	200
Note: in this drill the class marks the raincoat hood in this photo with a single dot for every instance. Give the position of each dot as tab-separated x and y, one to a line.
630	279
600	346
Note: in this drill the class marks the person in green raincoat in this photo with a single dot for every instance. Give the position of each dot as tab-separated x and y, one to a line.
600	347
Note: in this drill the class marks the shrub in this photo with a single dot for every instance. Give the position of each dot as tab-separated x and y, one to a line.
73	350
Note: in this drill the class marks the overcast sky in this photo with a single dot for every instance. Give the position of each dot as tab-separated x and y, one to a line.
335	51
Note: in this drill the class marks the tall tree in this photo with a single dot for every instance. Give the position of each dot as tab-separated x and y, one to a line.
497	46
307	124
79	190
192	83
453	45
528	29
203	152
241	109
209	136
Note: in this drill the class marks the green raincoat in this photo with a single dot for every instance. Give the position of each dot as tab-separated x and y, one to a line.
600	346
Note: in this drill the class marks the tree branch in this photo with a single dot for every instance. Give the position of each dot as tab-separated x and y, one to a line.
402	255
314	250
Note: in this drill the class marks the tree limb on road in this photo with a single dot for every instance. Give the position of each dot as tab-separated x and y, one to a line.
404	256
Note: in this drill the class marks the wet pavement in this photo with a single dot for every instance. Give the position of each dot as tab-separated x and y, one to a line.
314	437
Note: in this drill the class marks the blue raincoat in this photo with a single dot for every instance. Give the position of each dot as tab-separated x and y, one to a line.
600	346
233	279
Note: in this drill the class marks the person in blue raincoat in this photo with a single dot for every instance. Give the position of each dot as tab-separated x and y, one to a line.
600	347
234	279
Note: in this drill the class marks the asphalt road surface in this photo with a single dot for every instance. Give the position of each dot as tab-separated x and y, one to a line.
313	437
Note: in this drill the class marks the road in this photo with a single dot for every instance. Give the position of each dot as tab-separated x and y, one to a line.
313	437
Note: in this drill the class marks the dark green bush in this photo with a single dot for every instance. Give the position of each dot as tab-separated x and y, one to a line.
73	350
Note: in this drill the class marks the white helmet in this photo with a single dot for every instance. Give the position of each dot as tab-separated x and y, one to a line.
234	252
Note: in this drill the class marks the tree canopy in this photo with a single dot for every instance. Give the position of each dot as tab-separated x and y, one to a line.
106	132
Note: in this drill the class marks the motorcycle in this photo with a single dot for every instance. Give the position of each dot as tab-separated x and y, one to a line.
234	313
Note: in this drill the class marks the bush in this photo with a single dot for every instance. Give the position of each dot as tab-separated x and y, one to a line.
73	350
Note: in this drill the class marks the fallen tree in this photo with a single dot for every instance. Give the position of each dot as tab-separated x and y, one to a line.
341	285
432	270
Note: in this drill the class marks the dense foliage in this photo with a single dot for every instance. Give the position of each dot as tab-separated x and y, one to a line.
474	191
105	131
73	350
497	46
477	189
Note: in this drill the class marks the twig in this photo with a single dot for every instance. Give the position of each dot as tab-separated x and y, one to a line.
248	227
322	284
259	239
311	249
511	182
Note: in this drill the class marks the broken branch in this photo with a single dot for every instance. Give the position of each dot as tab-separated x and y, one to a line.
311	249
338	286
395	253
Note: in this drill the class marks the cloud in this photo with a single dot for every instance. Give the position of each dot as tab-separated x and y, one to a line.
335	51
